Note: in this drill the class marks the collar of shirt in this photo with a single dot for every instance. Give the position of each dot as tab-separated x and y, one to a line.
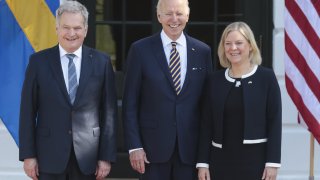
182	49
64	63
166	41
63	52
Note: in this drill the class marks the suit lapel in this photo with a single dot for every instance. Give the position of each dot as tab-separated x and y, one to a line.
191	57
86	69
55	63
157	48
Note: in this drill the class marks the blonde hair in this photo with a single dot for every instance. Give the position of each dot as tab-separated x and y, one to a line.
244	29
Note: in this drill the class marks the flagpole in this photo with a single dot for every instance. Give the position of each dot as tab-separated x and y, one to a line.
311	171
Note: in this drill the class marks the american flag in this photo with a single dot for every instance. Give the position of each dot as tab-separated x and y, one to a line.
302	63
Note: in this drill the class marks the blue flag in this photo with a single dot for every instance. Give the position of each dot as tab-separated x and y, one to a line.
15	49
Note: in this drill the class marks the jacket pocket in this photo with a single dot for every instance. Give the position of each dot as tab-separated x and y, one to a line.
96	131
217	145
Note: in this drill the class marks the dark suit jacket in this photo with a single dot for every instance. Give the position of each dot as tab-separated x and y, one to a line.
262	110
50	124
155	118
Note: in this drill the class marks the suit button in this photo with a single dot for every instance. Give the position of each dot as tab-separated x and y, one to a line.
174	123
70	132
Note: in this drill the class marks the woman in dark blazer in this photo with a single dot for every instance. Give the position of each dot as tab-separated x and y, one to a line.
241	129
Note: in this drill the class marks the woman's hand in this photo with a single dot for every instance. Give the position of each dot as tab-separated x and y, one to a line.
270	173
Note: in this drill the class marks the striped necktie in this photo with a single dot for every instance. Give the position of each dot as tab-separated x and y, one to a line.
72	78
175	68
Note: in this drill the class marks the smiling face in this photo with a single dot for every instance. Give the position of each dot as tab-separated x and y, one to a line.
173	16
71	31
237	48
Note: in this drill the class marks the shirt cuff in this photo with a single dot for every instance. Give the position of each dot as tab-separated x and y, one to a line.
202	165
131	150
276	165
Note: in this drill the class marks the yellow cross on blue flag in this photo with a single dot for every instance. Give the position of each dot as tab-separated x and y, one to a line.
27	26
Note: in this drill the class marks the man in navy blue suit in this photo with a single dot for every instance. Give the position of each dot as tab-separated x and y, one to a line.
68	106
164	81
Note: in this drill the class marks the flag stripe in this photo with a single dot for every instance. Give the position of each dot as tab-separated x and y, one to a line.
299	82
302	60
300	41
38	25
311	14
300	18
310	120
316	4
300	63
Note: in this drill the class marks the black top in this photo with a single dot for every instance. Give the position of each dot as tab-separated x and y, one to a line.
236	160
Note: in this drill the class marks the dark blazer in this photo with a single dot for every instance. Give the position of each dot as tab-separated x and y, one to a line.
262	110
50	124
155	118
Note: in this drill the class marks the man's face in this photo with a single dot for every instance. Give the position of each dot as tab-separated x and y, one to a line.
173	15
71	31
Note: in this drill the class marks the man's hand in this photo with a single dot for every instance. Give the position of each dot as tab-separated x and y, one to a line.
137	160
103	169
30	167
203	173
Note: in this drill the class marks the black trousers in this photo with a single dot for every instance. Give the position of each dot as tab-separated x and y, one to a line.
72	172
174	169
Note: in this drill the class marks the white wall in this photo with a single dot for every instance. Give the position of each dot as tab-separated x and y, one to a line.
10	167
295	138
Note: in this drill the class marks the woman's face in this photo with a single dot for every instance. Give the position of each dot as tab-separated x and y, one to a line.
237	48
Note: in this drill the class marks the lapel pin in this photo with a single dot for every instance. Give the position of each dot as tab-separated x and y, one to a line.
250	82
194	68
193	49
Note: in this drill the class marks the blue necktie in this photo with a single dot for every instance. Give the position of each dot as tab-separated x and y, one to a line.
175	68
72	78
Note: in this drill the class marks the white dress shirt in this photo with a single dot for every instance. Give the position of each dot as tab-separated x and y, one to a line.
182	49
65	61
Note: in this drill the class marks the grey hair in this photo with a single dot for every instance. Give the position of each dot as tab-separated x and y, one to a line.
160	3
72	7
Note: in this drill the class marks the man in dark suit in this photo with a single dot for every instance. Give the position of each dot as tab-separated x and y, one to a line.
68	106
163	85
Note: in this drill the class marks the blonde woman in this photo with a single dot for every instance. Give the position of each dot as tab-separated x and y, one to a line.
241	130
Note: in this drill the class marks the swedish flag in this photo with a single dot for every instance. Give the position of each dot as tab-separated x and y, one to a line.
26	26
